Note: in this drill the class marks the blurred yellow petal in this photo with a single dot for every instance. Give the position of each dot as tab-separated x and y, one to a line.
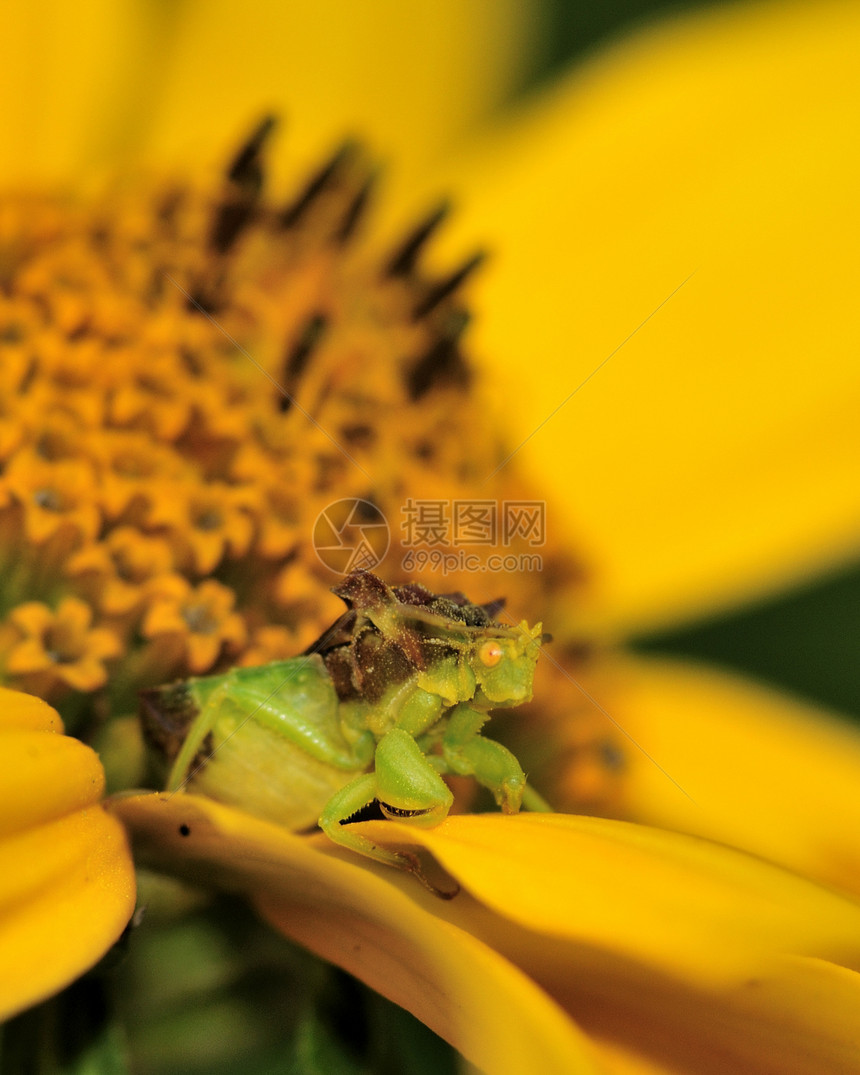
408	78
66	878
63	71
795	1017
618	1060
371	920
86	85
714	754
697	432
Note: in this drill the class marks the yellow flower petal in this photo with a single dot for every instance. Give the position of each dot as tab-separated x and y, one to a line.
28	656
25	712
797	1017
696	910
689	952
618	1060
59	917
63	67
65	773
33	617
455	984
681	950
356	915
722	758
714	453
406	77
66	877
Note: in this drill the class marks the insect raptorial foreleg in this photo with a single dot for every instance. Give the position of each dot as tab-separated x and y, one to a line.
407	787
468	753
343	804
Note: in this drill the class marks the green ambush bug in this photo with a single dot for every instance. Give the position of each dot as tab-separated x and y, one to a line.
393	696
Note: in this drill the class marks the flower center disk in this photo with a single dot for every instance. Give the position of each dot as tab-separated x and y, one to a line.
192	376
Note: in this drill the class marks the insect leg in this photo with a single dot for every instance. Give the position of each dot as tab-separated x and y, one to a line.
343	805
200	728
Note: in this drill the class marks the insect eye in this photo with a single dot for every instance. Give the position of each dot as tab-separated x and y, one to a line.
490	654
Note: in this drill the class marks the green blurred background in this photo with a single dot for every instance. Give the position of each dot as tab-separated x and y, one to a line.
571	28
